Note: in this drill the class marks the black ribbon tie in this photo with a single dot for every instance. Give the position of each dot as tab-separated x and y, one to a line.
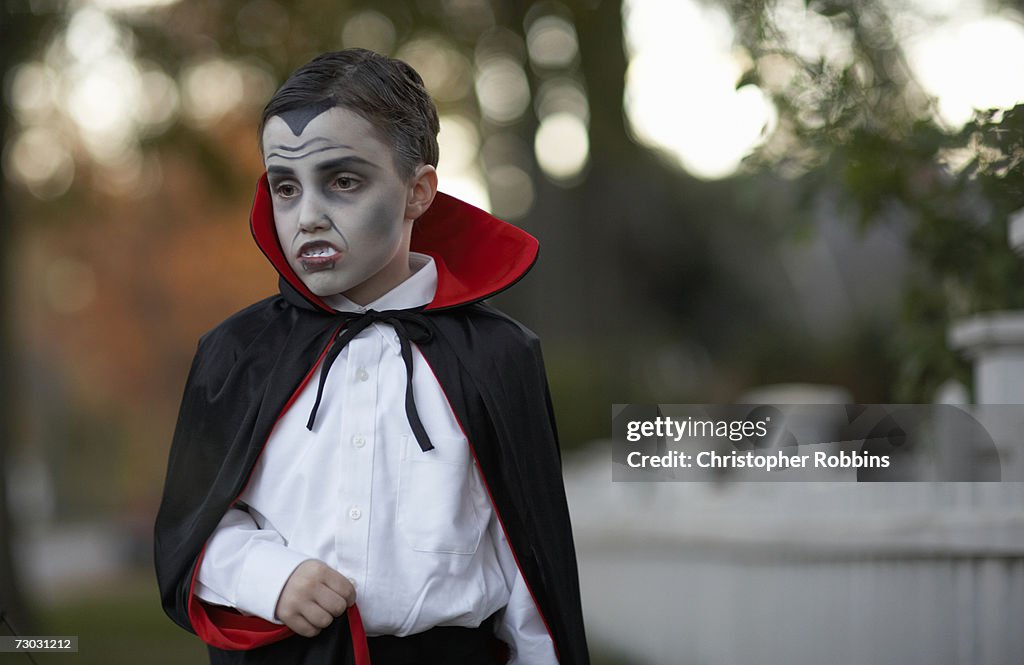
411	326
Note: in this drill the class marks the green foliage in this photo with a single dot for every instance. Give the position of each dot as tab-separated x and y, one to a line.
856	127
956	193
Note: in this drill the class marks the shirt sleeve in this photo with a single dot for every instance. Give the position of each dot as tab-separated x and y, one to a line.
520	625
246	564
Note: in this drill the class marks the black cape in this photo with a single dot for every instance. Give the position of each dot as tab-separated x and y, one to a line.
249	369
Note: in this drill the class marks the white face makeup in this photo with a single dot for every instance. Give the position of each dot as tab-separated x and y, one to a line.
340	207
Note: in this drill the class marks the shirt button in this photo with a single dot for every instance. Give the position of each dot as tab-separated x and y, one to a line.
362	375
355	513
358	441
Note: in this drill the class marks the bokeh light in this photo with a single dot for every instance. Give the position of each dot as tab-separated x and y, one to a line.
551	42
211	89
89	97
681	94
34	90
446	72
458	171
40	159
811	35
508	163
371	30
130	5
103	102
459	142
562	146
562	95
502	89
92	36
971	65
472	16
512	192
158	103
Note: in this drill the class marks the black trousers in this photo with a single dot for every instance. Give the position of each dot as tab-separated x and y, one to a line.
444	645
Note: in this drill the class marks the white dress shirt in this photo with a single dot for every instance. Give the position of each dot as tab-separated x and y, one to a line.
413	531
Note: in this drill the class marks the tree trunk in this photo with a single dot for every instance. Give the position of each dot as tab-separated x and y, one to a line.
17	30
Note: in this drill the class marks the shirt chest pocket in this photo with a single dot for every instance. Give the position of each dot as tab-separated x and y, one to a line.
440	497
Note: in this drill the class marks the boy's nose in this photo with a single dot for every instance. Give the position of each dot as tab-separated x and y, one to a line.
313	216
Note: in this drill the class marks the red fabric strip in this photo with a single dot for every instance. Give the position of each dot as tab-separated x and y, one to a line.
359	646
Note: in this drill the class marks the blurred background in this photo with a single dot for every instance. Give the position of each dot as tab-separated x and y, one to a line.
802	200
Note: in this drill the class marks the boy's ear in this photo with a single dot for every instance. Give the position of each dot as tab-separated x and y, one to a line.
422	188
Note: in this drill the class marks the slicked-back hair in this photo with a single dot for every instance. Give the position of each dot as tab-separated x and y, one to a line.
385	91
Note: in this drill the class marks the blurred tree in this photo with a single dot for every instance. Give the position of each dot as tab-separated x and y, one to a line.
632	272
21	26
855	125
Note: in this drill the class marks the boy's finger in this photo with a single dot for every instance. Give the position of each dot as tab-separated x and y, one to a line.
317	616
302	627
341	586
330	600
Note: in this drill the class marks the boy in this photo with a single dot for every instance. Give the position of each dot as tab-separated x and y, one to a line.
365	467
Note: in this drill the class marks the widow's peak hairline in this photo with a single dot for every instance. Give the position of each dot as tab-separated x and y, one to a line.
387	93
405	164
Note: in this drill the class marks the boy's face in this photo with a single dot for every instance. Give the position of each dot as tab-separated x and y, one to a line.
342	211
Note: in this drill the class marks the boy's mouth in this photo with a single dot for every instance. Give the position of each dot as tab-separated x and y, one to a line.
318	255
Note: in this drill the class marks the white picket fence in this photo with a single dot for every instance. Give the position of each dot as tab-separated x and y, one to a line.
800	573
818	573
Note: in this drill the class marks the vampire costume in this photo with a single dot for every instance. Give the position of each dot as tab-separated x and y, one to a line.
250	369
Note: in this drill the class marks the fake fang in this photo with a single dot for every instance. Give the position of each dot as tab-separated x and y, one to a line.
318	256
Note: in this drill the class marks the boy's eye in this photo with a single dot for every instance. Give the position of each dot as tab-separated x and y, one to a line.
286	190
345	182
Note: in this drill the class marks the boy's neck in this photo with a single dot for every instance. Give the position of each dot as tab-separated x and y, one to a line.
381	283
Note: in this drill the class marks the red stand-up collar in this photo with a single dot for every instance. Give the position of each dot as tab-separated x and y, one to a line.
477	254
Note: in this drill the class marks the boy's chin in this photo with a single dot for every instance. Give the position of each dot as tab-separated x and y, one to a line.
325	286
327	291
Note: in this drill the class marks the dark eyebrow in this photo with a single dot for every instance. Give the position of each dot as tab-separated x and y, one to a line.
342	162
280	170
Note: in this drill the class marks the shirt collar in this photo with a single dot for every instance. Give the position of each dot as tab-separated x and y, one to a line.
416	291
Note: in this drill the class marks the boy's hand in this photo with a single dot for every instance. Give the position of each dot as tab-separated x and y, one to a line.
312	597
